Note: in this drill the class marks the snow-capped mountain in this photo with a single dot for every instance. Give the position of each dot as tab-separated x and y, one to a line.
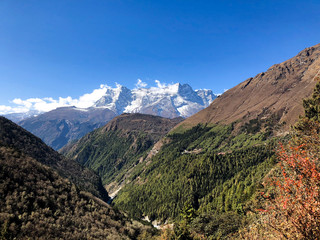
167	101
115	99
17	117
62	125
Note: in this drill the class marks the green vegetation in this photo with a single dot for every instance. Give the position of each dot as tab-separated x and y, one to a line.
13	136
211	167
35	202
112	154
289	202
114	150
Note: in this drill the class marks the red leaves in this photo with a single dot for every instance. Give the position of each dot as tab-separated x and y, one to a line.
297	191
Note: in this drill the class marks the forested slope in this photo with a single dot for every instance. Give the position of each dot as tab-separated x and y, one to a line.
118	147
206	166
13	136
37	203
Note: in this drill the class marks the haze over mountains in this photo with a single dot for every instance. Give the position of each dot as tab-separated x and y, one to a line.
62	125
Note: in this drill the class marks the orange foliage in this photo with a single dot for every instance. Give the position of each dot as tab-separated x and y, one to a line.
294	202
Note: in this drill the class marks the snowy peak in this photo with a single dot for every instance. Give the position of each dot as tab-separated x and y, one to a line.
206	95
173	100
187	93
115	99
165	100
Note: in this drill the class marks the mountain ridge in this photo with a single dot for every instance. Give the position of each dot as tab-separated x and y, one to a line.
66	124
216	159
37	202
281	88
181	99
14	136
115	149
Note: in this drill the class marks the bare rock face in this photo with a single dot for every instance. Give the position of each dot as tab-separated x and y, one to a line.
279	90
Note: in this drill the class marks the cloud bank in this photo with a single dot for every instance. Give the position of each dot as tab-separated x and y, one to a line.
87	100
48	104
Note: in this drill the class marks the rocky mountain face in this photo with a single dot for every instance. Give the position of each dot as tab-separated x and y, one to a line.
168	101
116	99
15	137
38	201
63	125
117	148
278	91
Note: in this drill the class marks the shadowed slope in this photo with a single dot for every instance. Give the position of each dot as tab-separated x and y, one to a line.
37	203
15	137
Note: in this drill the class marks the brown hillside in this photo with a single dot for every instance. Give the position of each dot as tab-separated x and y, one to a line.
279	90
151	124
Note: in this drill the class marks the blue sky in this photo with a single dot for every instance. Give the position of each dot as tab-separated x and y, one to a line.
68	48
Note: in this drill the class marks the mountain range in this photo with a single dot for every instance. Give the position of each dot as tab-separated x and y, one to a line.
47	196
204	175
63	125
214	160
170	101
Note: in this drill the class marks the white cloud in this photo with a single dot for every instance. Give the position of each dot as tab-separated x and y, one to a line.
159	84
48	103
141	84
4	108
19	105
88	99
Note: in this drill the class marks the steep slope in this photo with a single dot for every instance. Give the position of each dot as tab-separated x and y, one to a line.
37	203
206	167
60	126
117	148
279	90
215	160
15	137
116	99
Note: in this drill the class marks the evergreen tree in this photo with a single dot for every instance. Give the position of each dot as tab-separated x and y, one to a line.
312	105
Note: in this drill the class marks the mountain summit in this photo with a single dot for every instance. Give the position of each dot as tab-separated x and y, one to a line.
63	125
170	101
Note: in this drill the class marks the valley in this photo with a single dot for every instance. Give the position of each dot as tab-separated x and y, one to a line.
179	158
